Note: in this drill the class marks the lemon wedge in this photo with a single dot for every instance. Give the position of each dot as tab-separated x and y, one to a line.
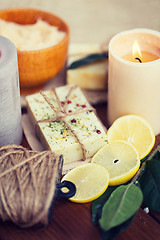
121	160
91	181
135	130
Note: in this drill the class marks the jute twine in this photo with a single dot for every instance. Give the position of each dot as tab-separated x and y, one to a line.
62	113
27	185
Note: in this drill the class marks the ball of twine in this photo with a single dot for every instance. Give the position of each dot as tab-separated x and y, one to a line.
27	184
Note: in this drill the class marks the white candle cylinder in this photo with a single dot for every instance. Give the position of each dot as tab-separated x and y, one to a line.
10	109
133	87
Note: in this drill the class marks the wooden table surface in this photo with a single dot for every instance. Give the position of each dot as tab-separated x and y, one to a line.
72	221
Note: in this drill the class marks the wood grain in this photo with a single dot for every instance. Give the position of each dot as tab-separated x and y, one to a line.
73	221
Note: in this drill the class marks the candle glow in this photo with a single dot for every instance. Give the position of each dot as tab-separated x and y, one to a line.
140	56
136	52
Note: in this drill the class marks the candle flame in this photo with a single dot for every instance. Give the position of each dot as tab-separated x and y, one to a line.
136	50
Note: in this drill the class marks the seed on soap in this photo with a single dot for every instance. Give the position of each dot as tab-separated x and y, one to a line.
83	105
69	102
98	131
62	103
73	121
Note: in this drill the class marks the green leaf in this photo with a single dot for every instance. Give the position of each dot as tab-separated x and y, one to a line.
121	205
115	231
88	60
156	156
97	204
150	184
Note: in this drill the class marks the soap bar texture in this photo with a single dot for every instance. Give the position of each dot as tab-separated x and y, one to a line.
92	76
66	123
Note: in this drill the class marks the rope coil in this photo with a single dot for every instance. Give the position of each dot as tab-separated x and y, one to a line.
27	184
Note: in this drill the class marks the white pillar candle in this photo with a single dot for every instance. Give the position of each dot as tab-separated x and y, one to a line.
10	109
134	87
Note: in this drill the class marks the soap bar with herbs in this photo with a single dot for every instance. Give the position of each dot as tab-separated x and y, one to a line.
66	123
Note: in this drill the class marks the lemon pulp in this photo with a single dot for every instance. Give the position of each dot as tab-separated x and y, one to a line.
121	160
135	130
91	181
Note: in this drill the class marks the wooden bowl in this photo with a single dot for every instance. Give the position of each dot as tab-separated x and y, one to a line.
38	66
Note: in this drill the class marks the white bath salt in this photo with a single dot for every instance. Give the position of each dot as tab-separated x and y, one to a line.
31	36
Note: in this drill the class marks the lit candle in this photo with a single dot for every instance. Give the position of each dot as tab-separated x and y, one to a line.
134	77
10	109
138	56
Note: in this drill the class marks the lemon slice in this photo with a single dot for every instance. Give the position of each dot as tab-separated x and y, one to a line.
120	158
135	130
91	181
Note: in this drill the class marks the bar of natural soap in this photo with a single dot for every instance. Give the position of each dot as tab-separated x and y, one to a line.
92	76
56	135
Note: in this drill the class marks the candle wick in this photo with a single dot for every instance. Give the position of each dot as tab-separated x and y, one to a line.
138	60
